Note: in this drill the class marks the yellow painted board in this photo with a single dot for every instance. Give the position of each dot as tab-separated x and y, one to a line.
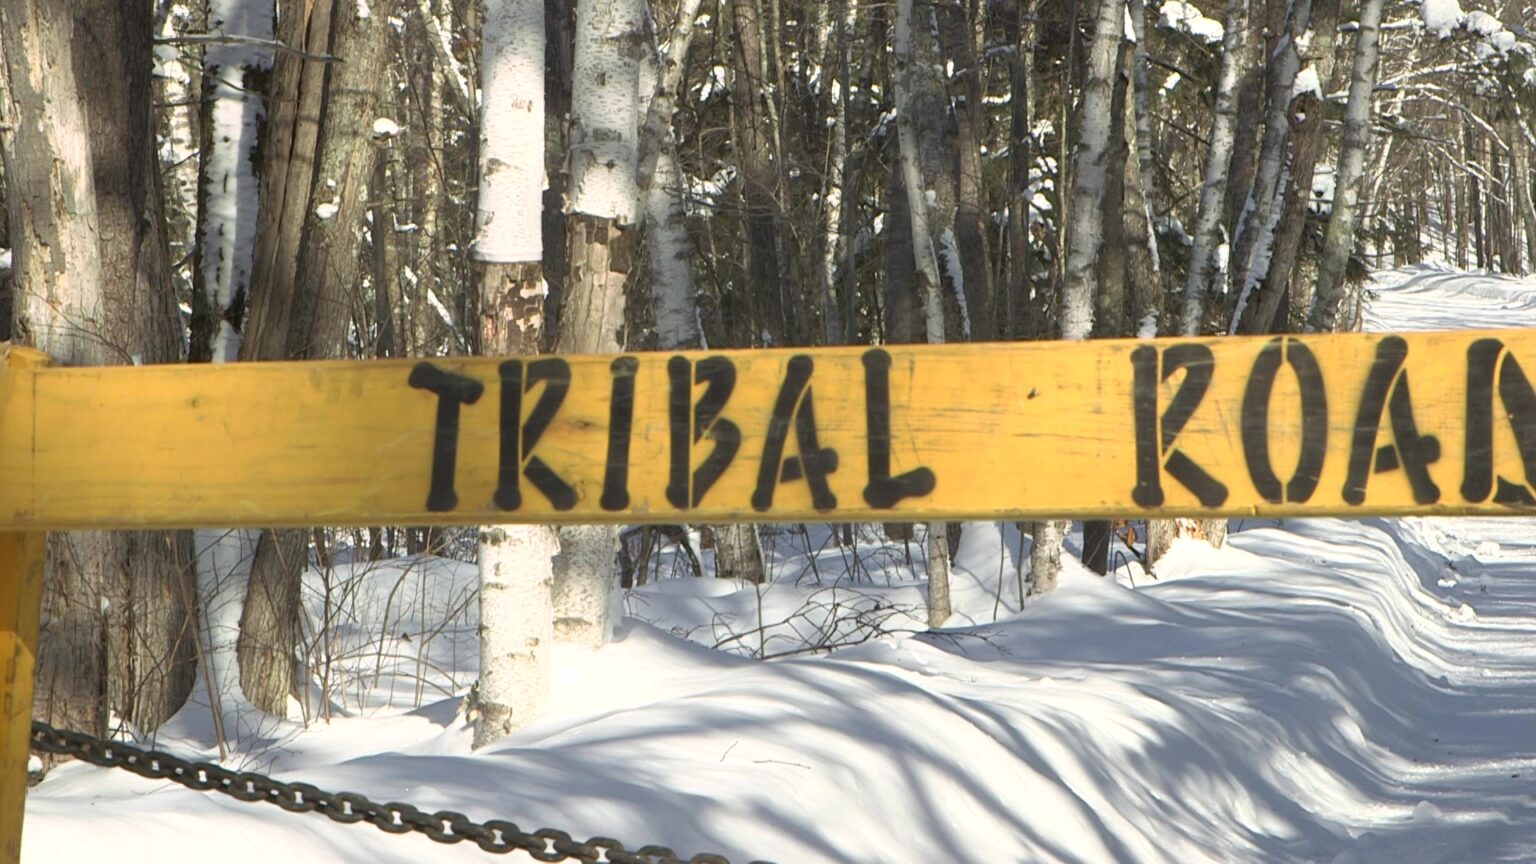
1337	424
21	589
21	592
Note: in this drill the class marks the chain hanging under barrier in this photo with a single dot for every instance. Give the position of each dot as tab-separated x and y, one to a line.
444	826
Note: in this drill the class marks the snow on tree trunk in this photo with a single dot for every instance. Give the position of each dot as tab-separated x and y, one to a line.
1204	268
1340	238
1255	241
1146	283
516	561
1141	65
1020	313
972	253
93	287
835	62
1285	308
179	89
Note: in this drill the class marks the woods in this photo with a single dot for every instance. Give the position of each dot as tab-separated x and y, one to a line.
239	181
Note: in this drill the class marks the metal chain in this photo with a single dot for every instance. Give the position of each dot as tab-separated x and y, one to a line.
444	826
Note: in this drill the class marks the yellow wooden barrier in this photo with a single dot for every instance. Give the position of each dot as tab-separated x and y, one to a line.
1348	424
21	590
1341	424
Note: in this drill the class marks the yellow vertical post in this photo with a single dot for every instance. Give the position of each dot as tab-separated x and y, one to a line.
21	592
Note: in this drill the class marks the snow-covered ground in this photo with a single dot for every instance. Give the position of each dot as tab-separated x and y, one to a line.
1318	690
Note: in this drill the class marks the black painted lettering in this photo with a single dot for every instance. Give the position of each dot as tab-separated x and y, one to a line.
1386	387
452	391
690	424
518	438
795	407
1314	421
1155	452
884	491
1519	403
621	419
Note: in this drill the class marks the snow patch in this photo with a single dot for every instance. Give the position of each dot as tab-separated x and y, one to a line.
1306	82
1441	16
1183	17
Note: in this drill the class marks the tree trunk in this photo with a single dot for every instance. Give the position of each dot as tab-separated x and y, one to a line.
1284	309
600	248
94	288
929	283
1340	238
1254	245
516	561
302	308
1204	268
1018	319
969	243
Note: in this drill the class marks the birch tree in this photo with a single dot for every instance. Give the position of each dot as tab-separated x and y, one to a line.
1340	238
1253	247
516	561
228	204
1085	235
1205	269
925	256
600	248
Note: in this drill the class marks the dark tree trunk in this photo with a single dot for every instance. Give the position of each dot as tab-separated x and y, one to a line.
93	287
308	270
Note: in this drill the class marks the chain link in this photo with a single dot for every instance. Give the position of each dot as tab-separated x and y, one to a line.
444	826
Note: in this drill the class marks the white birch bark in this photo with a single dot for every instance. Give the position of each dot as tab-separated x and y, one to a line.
605	200
605	117
516	570
1347	179
672	291
832	187
1203	266
666	234
516	627
509	207
227	236
230	205
1085	236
